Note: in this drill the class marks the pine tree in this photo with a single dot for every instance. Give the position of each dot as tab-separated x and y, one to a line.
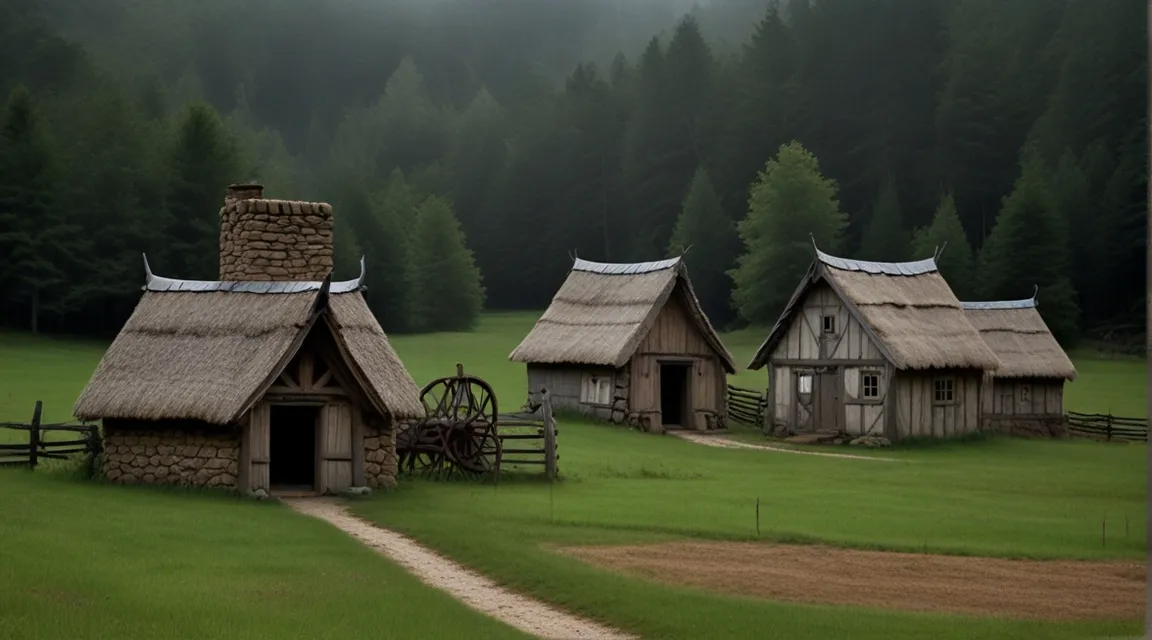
447	288
946	233
31	231
791	203
704	227
885	239
202	162
1029	247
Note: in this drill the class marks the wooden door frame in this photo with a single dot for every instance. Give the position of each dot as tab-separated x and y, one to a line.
300	400
687	402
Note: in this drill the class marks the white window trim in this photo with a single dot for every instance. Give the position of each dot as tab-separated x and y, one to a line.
597	389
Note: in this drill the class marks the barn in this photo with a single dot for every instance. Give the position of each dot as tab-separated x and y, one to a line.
273	378
1025	396
874	348
630	344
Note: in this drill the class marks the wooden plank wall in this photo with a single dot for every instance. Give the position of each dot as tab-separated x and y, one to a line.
863	416
259	446
564	384
803	340
1025	397
918	416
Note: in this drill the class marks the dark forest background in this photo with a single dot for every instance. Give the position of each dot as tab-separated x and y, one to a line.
471	148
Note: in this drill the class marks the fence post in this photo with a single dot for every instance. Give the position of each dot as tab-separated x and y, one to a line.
34	436
549	436
1108	428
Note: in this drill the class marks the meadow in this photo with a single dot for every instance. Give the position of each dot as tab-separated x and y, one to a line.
213	556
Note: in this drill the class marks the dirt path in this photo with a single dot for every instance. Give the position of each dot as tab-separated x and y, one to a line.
476	591
728	443
1028	589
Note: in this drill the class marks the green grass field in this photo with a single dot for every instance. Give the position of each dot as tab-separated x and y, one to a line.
216	561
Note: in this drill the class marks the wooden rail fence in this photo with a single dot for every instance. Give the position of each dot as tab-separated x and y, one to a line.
78	438
746	406
1104	426
528	439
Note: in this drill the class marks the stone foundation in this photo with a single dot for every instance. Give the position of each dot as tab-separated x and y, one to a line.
275	240
164	456
380	464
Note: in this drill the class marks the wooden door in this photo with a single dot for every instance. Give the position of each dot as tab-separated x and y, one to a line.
257	447
334	453
829	408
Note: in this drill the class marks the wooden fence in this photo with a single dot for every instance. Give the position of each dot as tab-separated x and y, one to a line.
746	406
1107	427
77	438
529	439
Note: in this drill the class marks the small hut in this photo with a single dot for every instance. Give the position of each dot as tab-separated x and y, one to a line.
1026	393
272	378
629	343
874	348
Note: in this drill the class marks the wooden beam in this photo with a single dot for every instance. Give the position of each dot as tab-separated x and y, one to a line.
800	362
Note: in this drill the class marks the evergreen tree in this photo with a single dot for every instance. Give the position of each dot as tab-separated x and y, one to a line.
704	227
1029	247
947	234
202	163
885	239
791	203
31	231
447	291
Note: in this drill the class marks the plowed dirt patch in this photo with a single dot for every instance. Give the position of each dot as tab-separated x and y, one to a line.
1042	590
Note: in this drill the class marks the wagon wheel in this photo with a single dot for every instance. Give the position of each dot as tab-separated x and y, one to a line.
475	449
422	448
462	398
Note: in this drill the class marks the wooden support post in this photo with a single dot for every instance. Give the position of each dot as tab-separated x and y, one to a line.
34	437
549	435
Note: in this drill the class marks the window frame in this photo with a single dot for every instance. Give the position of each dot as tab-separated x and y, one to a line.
945	383
863	396
594	386
828	324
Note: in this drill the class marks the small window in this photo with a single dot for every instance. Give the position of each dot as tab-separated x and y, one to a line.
945	390
829	324
596	390
804	383
870	385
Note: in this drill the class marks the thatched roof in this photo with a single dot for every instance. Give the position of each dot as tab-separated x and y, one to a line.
906	307
204	350
603	311
1020	339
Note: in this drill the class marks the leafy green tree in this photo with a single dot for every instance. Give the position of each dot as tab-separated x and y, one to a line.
447	288
1029	247
707	230
791	203
885	239
202	162
946	233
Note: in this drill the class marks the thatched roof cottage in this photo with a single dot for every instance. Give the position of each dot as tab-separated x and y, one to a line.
1026	393
630	343
273	377
874	348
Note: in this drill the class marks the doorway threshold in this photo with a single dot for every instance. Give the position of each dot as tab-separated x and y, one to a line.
293	491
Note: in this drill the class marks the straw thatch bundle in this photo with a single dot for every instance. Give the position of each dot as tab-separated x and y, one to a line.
908	307
202	352
1020	339
603	311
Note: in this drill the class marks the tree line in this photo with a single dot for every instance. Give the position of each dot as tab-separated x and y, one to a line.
1012	132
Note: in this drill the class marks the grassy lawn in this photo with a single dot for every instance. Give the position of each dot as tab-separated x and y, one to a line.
97	561
209	567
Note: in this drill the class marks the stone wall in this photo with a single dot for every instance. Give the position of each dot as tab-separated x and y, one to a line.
171	456
380	463
1027	426
275	240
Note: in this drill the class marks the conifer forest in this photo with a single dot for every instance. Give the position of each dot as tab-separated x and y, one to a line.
471	149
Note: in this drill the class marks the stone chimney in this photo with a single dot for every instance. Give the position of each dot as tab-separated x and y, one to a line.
273	239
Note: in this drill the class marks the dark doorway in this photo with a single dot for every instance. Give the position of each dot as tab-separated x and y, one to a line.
674	410
292	459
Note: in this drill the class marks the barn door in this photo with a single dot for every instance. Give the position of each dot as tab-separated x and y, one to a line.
828	405
334	466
